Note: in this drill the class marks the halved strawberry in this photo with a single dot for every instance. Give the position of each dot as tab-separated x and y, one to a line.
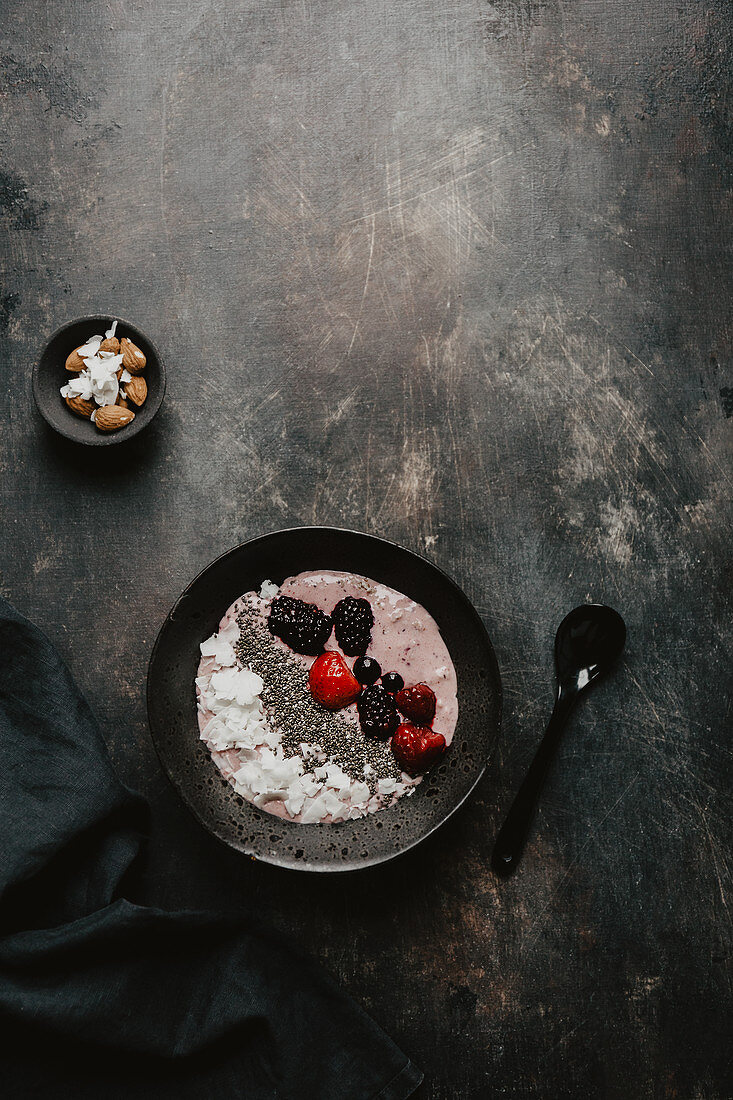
331	681
416	748
417	703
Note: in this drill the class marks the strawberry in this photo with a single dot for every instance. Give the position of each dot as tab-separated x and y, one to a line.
331	681
417	703
416	748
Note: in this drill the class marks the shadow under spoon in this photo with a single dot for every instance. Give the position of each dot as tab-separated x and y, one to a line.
587	643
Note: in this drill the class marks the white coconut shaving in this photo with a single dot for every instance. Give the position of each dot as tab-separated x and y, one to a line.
91	347
220	647
79	386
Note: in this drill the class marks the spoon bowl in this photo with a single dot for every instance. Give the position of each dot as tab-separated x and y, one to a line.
588	641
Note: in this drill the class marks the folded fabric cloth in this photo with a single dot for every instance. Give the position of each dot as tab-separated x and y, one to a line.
103	998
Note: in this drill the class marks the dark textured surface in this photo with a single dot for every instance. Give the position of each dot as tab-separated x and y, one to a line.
457	274
374	838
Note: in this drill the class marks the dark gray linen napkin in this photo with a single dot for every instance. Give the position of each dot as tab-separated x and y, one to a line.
103	998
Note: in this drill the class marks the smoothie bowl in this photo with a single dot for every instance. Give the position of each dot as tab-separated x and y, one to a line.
323	699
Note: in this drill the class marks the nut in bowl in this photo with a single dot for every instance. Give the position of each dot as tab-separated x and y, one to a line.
106	372
98	381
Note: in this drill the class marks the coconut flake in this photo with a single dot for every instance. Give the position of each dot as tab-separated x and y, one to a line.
239	685
332	804
222	652
78	386
359	792
91	347
111	330
219	646
337	778
314	811
294	804
268	590
107	394
309	784
102	379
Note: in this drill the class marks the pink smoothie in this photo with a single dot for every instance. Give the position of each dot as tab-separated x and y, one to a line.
405	639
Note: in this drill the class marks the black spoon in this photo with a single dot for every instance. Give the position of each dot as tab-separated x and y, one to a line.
587	643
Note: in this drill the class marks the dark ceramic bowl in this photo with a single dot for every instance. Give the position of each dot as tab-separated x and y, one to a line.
49	375
349	844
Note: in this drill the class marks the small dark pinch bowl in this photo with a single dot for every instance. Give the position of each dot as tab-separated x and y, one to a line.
347	845
50	374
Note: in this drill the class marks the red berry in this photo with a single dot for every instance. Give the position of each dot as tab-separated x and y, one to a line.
331	681
417	703
416	748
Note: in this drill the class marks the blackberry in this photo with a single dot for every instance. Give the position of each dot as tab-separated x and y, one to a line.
301	625
367	670
377	713
392	682
353	620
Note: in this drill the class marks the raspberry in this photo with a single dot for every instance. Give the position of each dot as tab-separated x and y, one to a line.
301	625
377	713
417	704
353	620
416	748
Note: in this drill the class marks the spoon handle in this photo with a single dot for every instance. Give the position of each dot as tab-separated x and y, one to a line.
513	833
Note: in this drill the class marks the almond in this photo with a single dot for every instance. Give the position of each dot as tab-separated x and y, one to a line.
132	358
75	363
79	406
110	344
121	403
136	390
111	417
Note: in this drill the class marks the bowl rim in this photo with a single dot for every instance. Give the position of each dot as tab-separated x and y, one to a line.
335	867
104	439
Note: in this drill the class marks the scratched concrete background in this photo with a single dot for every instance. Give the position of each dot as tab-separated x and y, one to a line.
457	274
